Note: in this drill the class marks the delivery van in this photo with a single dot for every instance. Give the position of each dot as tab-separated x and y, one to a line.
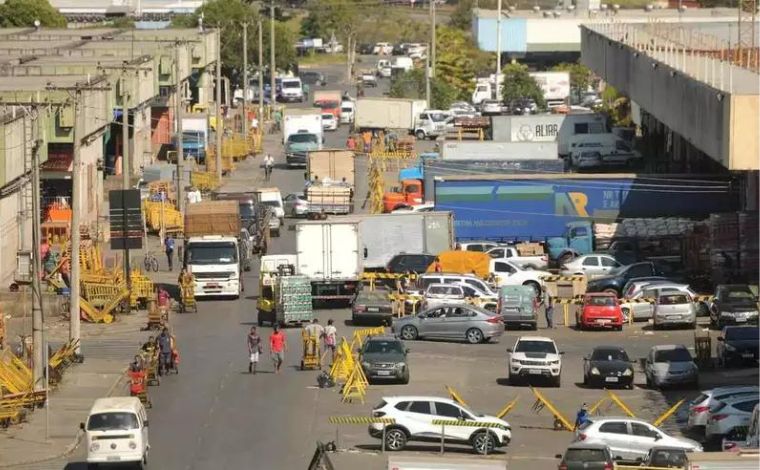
116	432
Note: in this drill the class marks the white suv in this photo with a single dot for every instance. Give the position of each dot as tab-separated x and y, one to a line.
414	417
535	356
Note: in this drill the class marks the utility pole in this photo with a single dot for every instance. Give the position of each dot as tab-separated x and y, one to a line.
76	202
38	339
427	81
218	130
431	49
261	76
498	50
272	68
178	127
125	167
245	81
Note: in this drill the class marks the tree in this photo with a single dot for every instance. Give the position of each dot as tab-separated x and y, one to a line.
411	84
461	17
25	12
518	84
617	106
458	60
580	76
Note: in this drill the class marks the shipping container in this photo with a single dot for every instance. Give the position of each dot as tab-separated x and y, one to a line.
387	113
532	207
488	150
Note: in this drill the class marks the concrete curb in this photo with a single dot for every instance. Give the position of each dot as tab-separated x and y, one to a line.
71	447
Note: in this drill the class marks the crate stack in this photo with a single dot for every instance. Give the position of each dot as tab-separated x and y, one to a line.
295	298
734	246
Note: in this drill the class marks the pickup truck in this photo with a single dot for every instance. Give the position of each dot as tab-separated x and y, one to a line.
527	262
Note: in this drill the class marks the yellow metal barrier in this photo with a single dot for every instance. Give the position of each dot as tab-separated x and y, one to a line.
507	408
204	181
560	421
661	419
355	386
455	396
620	403
344	362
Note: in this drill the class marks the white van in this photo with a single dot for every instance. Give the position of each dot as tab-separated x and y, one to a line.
272	198
291	90
402	63
612	149
384	68
347	110
579	124
117	431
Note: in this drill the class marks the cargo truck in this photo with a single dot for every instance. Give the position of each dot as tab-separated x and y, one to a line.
388	113
301	134
194	138
256	218
328	101
543	206
213	252
547	128
489	150
331	181
328	254
383	236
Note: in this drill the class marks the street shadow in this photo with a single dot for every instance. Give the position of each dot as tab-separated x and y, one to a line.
251	297
249	323
75	466
503	381
258	372
432	446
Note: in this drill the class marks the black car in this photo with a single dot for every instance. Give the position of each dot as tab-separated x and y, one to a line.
665	457
616	282
399	49
415	263
372	306
733	304
313	78
365	49
580	456
738	344
608	366
384	358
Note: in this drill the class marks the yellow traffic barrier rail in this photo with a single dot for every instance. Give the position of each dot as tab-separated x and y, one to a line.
620	403
464	423
670	411
507	408
338	420
360	335
554	278
455	396
560	422
356	386
343	364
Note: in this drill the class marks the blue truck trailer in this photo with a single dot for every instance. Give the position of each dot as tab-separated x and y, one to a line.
547	207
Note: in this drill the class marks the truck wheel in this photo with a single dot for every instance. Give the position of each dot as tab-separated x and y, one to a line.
420	134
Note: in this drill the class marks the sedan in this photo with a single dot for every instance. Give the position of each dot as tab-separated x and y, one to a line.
592	265
700	406
329	122
457	322
670	364
608	365
738	345
582	456
296	205
372	306
490	107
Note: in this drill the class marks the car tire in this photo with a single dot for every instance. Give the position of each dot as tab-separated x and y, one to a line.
474	336
409	333
405	378
585	380
483	442
395	439
649	382
534	326
420	134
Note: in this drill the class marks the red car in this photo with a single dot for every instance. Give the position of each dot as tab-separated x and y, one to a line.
600	310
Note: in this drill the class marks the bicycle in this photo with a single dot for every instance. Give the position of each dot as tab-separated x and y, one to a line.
267	172
150	262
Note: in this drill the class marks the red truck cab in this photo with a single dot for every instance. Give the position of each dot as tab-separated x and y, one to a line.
600	310
410	194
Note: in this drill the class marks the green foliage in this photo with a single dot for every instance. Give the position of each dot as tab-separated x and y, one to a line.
328	17
411	84
461	17
580	75
123	22
25	12
617	106
229	15
458	61
519	84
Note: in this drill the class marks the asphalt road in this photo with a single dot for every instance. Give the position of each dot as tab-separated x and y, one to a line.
216	415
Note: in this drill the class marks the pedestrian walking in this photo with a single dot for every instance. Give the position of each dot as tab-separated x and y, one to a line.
549	312
330	334
169	249
277	348
351	143
315	331
254	349
268	166
164	342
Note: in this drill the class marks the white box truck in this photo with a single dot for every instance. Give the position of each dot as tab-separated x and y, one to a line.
555	85
328	254
547	128
388	113
489	150
301	133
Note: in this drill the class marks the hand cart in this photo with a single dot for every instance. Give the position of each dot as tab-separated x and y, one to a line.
187	293
311	358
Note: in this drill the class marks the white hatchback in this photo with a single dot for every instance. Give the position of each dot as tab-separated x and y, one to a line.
725	416
329	122
699	407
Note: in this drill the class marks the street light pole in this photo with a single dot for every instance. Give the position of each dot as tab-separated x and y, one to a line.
245	81
272	68
218	130
180	141
498	50
261	75
76	203
431	49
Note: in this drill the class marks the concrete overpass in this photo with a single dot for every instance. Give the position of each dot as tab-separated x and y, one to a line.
699	97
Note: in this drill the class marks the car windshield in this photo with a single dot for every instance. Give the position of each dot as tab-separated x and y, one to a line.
534	346
346	109
291	84
602	301
328	117
383	347
609	355
303	139
109	421
438	117
328	104
212	253
741	334
738	295
445	290
672	355
585	455
674	299
271	203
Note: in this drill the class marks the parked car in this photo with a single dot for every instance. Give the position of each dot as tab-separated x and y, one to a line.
365	49
458	322
600	310
414	415
524	261
592	265
700	406
329	122
586	159
478	297
384	69
635	305
384	358
733	304
369	79
738	345
509	274
670	364
582	456
674	308
483	246
415	208
535	357
296	205
617	280
727	415
411	262
629	438
439	295
372	306
665	457
347	111
426	279
517	306
608	366
490	107
635	284
313	78
382	48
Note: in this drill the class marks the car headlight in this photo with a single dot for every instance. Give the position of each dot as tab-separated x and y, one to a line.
94	446
365	365
594	371
401	365
628	372
554	363
730	348
516	361
132	445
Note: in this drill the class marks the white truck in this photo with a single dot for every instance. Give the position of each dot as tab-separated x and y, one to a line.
555	85
547	128
489	150
328	254
212	248
433	123
387	113
383	236
331	181
301	133
529	260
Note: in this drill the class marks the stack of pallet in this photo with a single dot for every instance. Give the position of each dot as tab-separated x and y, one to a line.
406	145
645	228
294	298
733	246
